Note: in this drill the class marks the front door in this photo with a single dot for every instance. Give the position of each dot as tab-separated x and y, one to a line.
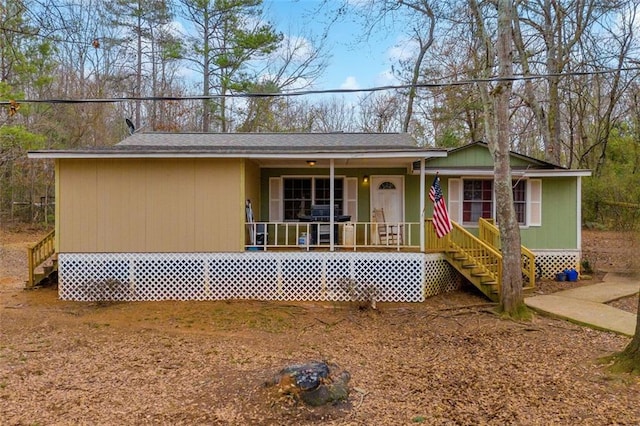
387	192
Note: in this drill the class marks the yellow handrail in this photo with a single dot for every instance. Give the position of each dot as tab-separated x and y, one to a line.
489	233
488	258
432	242
460	240
38	253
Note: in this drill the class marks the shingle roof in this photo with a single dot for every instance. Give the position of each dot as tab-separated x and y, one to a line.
255	145
263	141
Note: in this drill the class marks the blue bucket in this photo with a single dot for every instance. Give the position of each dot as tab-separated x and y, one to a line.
561	276
572	274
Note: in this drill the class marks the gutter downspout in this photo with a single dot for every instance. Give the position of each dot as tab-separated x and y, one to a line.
422	205
579	219
331	204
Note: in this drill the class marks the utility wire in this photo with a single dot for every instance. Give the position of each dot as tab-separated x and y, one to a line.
319	92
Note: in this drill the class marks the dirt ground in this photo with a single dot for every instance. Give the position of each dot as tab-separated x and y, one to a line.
449	360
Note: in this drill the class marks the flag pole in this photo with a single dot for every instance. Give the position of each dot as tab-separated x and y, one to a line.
441	220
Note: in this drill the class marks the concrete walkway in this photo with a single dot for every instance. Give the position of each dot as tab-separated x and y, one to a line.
586	305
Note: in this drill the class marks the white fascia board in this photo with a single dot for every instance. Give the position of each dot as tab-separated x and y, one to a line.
532	173
351	155
554	173
324	155
90	155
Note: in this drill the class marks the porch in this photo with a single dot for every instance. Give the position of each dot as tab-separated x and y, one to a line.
342	236
280	269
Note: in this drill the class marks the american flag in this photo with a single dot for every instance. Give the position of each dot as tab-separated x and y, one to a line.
441	221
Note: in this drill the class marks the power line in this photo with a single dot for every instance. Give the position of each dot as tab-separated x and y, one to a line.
320	92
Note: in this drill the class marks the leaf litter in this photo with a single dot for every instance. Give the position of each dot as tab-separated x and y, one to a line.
448	360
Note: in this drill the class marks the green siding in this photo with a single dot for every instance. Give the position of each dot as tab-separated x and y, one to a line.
412	197
559	200
473	156
364	193
559	217
559	214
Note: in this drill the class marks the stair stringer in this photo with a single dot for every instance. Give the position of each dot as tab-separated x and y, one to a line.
474	271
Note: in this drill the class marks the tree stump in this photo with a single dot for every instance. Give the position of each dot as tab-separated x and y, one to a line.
315	383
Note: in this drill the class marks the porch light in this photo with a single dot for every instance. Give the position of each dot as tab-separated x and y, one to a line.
365	179
311	163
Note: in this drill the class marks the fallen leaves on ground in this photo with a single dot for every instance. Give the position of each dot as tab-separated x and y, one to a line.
446	361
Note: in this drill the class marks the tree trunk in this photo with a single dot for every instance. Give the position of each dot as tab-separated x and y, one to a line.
496	110
511	291
412	91
206	79
138	89
633	348
424	46
554	150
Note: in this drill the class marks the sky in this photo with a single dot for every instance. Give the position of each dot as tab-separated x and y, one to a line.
354	63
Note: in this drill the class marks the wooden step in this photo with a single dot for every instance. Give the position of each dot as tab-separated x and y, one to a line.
473	271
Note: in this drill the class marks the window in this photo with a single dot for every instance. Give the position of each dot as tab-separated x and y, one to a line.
297	197
477	200
520	200
301	193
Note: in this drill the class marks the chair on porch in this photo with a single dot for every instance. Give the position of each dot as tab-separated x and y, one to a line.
388	234
257	231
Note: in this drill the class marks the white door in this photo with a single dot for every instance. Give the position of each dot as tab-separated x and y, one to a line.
387	192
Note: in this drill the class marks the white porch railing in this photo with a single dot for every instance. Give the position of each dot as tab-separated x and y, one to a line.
347	235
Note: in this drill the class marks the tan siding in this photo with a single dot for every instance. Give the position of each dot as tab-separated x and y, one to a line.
219	199
252	187
78	207
121	206
57	207
251	192
204	204
150	205
170	205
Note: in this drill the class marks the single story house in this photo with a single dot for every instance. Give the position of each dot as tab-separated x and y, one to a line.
248	215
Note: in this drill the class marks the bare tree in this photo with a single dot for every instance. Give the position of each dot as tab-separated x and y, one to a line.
334	115
606	109
381	112
496	96
420	17
294	65
547	33
424	37
139	18
454	111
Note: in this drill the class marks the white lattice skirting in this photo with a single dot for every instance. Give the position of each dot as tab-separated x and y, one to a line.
550	262
396	277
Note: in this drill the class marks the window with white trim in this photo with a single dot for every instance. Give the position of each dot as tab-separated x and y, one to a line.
520	200
478	197
300	193
477	200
